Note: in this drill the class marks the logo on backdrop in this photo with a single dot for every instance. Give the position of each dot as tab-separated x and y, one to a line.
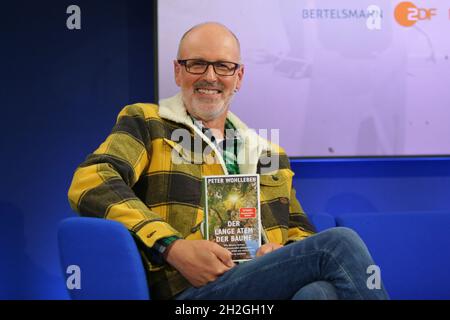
342	13
373	15
407	14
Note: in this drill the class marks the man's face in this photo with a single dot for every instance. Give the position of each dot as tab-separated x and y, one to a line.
207	96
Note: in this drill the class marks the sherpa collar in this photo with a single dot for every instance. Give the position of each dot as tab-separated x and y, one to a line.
253	145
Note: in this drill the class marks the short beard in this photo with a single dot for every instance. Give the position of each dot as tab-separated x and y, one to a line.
209	114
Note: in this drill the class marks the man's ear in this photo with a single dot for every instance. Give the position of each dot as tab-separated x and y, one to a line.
240	77
177	72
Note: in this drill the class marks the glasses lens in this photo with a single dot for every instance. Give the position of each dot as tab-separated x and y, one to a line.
196	66
224	68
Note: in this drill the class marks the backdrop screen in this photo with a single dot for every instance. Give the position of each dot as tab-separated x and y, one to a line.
337	78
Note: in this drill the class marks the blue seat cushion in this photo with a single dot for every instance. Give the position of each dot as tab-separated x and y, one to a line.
411	248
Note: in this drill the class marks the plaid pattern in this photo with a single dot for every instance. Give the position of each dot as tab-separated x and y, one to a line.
132	179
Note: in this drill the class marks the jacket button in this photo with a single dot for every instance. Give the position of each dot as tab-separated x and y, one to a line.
275	178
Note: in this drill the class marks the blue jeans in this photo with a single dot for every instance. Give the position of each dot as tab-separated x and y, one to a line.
328	265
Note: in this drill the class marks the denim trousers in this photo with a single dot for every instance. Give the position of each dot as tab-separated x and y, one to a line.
332	264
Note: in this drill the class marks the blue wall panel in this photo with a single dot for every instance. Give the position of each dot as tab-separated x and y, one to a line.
61	91
370	185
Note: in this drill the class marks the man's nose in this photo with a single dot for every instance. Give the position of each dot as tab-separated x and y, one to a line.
210	74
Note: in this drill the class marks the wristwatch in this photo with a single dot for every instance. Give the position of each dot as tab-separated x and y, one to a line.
162	244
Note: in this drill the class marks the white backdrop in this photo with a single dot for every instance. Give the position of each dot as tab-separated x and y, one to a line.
336	77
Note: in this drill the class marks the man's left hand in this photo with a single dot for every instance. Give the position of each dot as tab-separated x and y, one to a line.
268	247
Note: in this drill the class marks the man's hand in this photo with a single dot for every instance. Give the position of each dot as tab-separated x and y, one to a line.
268	247
199	261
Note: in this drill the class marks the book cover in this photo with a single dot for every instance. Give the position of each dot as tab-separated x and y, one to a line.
232	213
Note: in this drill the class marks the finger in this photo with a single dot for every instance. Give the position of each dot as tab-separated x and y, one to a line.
276	246
221	270
263	250
258	253
223	255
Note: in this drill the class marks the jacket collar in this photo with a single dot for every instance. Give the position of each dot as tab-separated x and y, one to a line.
253	145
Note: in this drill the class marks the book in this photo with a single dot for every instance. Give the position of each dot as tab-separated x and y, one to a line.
232	213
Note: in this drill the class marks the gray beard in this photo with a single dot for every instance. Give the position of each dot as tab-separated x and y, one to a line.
211	115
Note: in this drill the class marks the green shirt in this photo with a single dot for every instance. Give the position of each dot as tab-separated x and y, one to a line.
227	147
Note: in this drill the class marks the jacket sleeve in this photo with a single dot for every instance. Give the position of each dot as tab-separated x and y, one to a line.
299	225
102	184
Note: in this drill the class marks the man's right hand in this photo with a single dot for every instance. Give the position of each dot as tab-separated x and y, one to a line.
199	261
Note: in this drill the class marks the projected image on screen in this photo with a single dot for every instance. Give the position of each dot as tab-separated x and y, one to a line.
338	78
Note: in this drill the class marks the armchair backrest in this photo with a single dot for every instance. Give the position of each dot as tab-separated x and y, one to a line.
104	257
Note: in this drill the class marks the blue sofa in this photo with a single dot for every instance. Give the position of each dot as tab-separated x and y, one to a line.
411	249
399	207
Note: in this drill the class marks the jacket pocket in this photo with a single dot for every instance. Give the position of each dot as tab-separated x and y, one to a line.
278	178
276	185
181	155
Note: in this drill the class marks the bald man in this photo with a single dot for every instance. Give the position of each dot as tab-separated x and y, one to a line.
146	178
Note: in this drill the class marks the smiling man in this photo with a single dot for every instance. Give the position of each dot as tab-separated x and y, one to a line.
209	72
133	178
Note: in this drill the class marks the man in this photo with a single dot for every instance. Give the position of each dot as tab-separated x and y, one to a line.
141	177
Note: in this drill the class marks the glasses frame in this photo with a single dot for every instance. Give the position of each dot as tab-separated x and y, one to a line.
183	62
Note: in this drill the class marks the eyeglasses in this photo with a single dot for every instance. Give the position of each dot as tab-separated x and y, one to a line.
198	66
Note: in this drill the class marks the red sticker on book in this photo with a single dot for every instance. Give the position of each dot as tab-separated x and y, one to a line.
246	213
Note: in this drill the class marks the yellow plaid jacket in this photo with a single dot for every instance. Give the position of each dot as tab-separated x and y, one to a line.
132	178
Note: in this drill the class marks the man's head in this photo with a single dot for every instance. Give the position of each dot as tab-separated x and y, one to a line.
207	95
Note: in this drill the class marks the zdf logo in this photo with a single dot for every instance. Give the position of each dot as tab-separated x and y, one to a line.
407	14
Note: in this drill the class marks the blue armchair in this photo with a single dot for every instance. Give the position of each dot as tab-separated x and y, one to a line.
108	259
